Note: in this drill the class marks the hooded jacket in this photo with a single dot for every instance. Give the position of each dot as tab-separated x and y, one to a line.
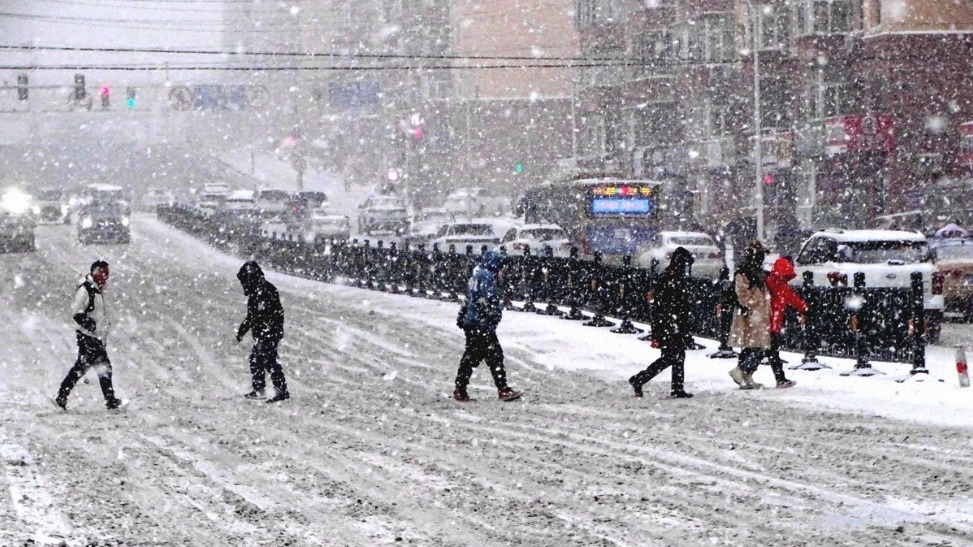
781	294
89	311
751	319
483	309
265	315
671	322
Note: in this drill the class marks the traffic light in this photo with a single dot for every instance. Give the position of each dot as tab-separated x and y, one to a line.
769	179
105	97
79	92
519	168
130	97
22	90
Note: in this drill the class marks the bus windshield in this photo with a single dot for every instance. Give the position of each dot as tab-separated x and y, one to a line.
610	216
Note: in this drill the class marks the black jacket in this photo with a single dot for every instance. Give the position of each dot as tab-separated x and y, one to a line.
265	314
671	309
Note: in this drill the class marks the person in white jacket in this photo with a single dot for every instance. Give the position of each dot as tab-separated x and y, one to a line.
94	324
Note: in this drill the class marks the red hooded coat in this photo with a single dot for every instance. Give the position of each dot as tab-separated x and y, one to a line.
781	294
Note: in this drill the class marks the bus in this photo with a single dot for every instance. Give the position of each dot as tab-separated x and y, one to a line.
608	215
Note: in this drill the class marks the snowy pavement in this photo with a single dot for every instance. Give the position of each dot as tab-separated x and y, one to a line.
371	450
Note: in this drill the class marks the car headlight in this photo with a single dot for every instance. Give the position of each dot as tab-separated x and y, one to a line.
64	209
36	209
15	201
125	221
86	222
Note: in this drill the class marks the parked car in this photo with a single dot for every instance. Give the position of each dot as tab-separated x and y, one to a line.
461	234
708	260
153	199
954	261
463	204
887	258
240	206
51	207
424	227
273	204
211	198
537	237
104	222
16	221
321	226
382	213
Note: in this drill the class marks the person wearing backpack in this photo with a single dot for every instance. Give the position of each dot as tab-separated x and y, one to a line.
751	319
94	324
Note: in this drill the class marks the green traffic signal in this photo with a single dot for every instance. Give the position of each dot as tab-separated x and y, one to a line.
519	168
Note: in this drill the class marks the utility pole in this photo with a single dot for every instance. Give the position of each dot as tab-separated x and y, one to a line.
758	190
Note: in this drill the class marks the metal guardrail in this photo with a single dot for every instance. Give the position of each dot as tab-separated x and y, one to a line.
857	322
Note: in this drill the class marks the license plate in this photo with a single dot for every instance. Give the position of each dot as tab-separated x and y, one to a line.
623	233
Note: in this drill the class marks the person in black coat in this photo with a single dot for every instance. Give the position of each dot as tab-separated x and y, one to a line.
265	321
670	325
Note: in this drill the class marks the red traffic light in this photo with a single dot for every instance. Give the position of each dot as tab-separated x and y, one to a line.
105	90
768	178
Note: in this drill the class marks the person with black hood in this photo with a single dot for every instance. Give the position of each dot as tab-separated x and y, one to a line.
94	324
751	319
479	316
265	320
670	325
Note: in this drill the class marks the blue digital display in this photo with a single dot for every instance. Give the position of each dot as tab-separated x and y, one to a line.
620	206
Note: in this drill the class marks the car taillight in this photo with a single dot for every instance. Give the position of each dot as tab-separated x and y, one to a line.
937	282
518	246
586	246
838	279
717	255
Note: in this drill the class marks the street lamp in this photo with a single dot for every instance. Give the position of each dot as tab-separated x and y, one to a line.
758	188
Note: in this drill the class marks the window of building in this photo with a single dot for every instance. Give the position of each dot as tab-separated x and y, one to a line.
708	39
927	164
825	16
650	50
775	30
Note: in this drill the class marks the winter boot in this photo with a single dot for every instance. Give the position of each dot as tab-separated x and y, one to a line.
113	403
255	395
748	382
60	403
633	381
461	396
280	396
508	394
784	384
680	394
737	376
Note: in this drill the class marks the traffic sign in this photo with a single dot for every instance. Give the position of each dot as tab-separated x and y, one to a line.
181	98
298	163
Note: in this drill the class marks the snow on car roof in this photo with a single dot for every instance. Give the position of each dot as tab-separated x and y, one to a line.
872	235
240	195
539	227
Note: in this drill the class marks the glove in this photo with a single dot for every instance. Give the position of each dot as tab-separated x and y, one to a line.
85	322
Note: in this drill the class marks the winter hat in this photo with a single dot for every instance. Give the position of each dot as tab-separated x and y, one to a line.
250	274
681	258
492	261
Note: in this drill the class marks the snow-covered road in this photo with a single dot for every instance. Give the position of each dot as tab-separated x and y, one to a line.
371	450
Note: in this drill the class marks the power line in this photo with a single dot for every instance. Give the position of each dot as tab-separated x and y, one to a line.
310	55
270	68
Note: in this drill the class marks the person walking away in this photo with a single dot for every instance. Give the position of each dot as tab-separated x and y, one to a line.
479	317
94	324
751	320
265	321
781	298
670	325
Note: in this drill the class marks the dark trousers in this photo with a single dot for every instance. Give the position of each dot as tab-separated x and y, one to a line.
481	345
671	357
91	353
750	358
263	359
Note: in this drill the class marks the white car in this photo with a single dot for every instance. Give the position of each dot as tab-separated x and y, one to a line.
272	204
537	237
425	226
887	258
240	205
461	234
322	226
463	204
211	198
708	260
382	213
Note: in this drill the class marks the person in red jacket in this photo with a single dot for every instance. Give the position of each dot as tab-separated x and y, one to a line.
781	297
